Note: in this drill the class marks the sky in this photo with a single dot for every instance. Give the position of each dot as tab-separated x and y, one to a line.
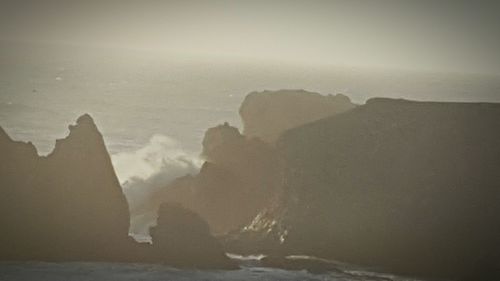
440	35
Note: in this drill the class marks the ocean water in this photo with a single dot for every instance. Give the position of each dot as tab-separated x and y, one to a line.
134	95
147	103
84	271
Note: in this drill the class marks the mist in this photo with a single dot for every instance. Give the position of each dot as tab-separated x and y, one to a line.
452	36
145	171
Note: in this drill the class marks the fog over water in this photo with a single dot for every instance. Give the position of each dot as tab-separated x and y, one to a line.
175	68
144	101
443	35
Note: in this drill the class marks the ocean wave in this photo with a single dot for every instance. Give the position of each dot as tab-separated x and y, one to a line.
144	171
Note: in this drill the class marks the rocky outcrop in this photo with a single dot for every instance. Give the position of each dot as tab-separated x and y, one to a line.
234	184
266	115
408	187
242	172
69	206
183	238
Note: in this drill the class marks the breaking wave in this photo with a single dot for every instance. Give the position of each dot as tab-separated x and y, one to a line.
147	169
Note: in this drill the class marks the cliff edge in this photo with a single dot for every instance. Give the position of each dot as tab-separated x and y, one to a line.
402	186
267	114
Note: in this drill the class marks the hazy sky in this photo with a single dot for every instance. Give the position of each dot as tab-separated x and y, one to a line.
440	35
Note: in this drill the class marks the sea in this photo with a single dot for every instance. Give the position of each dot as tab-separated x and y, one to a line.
92	271
153	108
159	105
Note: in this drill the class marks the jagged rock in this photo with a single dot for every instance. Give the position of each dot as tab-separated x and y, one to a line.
242	172
266	115
183	238
236	182
67	205
408	187
220	141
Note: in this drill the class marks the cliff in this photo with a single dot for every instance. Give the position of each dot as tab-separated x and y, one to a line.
408	187
266	115
237	180
242	172
183	238
67	205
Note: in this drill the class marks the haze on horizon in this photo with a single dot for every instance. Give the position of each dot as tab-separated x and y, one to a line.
446	35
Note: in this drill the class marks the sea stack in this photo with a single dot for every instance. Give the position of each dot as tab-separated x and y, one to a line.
182	239
65	206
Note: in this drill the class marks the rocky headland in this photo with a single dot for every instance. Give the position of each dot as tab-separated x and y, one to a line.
69	206
242	173
402	186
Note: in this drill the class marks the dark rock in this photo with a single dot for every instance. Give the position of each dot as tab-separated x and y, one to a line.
183	238
237	181
407	187
486	268
243	172
67	205
266	115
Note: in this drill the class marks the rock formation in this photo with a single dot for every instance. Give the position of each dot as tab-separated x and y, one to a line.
266	115
242	172
408	187
233	185
67	205
183	238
